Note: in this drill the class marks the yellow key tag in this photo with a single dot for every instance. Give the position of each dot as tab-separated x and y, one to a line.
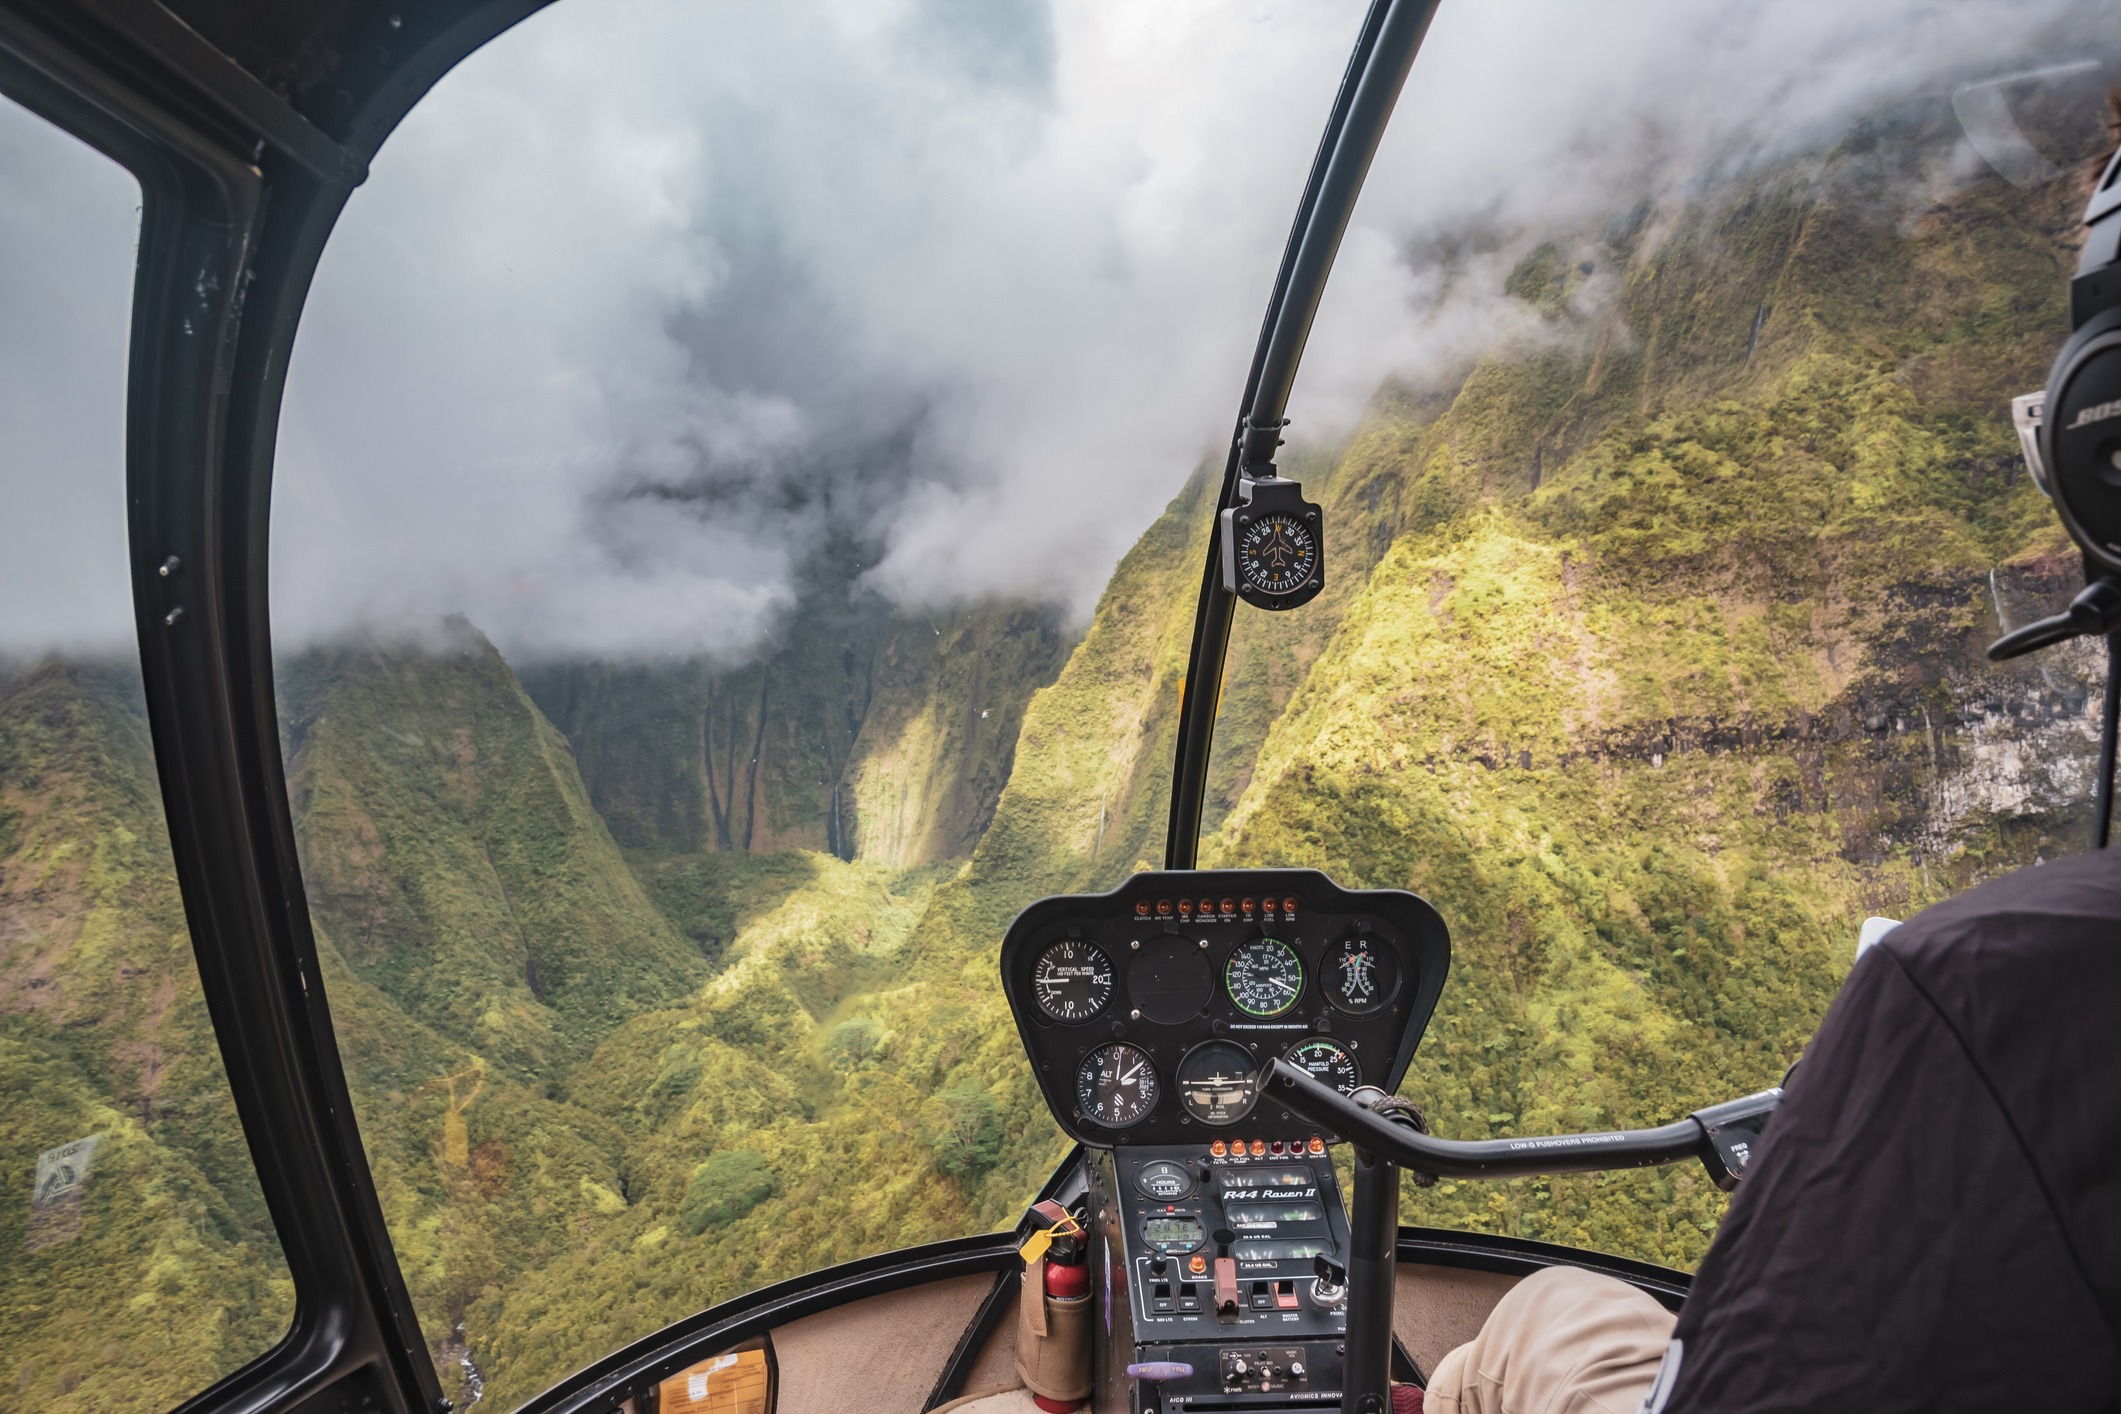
1036	1247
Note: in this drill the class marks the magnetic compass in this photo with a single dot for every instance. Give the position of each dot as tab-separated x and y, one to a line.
1273	557
1276	554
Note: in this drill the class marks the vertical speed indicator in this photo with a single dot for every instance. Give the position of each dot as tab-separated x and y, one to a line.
1072	980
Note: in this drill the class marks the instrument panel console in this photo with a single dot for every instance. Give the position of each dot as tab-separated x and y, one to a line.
1150	1013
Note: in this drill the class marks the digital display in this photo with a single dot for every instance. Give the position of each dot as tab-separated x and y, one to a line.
1272	1214
1296	1251
1181	1234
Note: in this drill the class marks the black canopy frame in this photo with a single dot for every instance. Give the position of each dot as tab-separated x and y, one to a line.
247	124
244	168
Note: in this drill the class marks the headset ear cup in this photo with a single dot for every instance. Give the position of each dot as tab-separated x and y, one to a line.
2083	396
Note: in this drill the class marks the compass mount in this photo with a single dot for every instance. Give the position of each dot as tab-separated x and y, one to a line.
1273	544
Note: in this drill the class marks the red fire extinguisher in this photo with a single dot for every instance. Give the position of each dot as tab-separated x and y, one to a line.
1053	1314
1066	1287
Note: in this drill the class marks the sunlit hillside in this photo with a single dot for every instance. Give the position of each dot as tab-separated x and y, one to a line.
1650	654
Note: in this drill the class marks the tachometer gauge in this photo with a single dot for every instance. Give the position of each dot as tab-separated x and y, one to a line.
1359	975
1328	1062
1116	1086
1218	1082
1072	981
1265	977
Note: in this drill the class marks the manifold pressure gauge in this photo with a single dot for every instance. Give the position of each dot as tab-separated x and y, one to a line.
1273	545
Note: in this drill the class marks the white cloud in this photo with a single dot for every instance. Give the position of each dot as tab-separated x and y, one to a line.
652	296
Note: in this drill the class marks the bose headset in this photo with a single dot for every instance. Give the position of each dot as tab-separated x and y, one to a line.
2070	432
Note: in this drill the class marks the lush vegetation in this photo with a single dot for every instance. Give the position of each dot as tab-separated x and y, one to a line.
1649	653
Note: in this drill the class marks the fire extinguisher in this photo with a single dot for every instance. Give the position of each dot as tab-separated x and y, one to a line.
1053	1314
1066	1287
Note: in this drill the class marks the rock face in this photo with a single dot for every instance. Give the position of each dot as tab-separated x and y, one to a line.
1650	653
858	732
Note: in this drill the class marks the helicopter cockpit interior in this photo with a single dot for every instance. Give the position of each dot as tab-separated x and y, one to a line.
685	807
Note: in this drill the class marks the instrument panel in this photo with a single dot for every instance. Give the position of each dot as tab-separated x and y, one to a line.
1150	1013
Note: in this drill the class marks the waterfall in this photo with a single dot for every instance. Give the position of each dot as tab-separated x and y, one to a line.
835	832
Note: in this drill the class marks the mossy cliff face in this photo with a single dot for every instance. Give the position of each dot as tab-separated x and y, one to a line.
601	1090
165	1274
856	731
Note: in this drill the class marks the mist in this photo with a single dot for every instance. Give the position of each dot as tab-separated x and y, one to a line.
652	303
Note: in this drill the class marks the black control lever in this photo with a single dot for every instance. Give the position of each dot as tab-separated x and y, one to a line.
2095	611
1689	1138
1732	1131
1722	1137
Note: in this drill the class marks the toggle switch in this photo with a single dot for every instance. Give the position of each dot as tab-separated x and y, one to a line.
1225	1289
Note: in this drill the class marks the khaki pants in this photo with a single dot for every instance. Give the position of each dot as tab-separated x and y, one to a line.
1564	1341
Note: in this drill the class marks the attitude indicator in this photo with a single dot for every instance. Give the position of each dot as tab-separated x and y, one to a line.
1218	1082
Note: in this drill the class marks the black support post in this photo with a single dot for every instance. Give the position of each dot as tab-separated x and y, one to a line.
1372	1252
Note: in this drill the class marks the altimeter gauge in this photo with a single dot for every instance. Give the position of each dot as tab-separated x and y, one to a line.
1072	980
1359	974
1326	1061
1218	1082
1265	977
1116	1086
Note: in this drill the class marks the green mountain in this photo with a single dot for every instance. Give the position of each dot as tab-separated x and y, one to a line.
1649	653
160	1273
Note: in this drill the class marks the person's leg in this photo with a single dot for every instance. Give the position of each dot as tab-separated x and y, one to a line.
1563	1341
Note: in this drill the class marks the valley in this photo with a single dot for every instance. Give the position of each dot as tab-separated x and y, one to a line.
1650	653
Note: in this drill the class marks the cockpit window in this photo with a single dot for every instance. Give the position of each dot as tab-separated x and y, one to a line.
711	598
1672	497
138	1263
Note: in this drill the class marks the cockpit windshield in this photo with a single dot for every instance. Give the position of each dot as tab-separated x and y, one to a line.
704	467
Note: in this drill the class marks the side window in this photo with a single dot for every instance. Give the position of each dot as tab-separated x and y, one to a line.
137	1261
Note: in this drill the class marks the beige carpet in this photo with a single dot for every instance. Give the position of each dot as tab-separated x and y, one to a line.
881	1356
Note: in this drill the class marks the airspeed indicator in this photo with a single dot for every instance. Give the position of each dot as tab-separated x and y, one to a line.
1072	980
1265	977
